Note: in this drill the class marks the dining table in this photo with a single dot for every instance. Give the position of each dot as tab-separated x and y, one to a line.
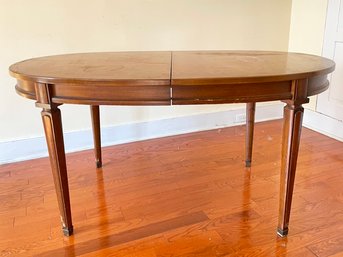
156	78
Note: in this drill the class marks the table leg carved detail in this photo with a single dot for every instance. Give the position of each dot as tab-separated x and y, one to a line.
52	123
95	115
54	137
293	116
292	124
249	134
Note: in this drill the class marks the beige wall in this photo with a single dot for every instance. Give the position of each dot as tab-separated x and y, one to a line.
307	29
45	27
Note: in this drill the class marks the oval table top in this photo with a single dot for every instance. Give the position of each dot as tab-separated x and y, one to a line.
182	67
179	77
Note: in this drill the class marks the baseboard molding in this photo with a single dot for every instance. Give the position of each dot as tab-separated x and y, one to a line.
25	149
323	124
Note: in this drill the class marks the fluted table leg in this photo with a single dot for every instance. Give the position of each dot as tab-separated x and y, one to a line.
293	115
249	134
95	114
54	137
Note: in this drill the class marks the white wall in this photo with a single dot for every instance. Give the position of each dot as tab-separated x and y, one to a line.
45	27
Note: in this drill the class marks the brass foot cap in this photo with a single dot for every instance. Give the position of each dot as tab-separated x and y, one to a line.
98	164
67	231
282	232
247	163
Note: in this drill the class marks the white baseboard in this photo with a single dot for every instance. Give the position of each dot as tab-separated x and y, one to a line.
323	124
25	149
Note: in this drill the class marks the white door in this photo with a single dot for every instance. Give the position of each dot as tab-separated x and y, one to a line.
330	102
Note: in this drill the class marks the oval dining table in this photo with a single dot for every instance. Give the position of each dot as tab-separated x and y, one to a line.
173	78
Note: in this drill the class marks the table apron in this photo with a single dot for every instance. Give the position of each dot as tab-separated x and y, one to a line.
104	94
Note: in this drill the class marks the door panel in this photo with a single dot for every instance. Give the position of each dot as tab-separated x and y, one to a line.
330	102
336	87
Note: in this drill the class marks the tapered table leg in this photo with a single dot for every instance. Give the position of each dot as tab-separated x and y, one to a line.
293	115
95	114
54	137
249	134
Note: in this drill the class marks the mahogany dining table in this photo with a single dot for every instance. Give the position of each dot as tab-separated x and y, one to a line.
173	78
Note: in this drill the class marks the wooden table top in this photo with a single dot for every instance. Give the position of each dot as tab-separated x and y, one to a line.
165	78
226	67
123	67
185	67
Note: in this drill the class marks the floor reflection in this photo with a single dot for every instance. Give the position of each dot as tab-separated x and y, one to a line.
102	207
246	214
103	223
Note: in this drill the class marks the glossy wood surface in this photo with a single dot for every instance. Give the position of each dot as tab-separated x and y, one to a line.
139	68
187	195
228	67
188	67
164	78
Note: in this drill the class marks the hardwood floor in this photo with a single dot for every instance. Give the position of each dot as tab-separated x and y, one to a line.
187	195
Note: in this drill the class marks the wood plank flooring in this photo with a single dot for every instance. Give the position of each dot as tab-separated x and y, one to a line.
187	195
